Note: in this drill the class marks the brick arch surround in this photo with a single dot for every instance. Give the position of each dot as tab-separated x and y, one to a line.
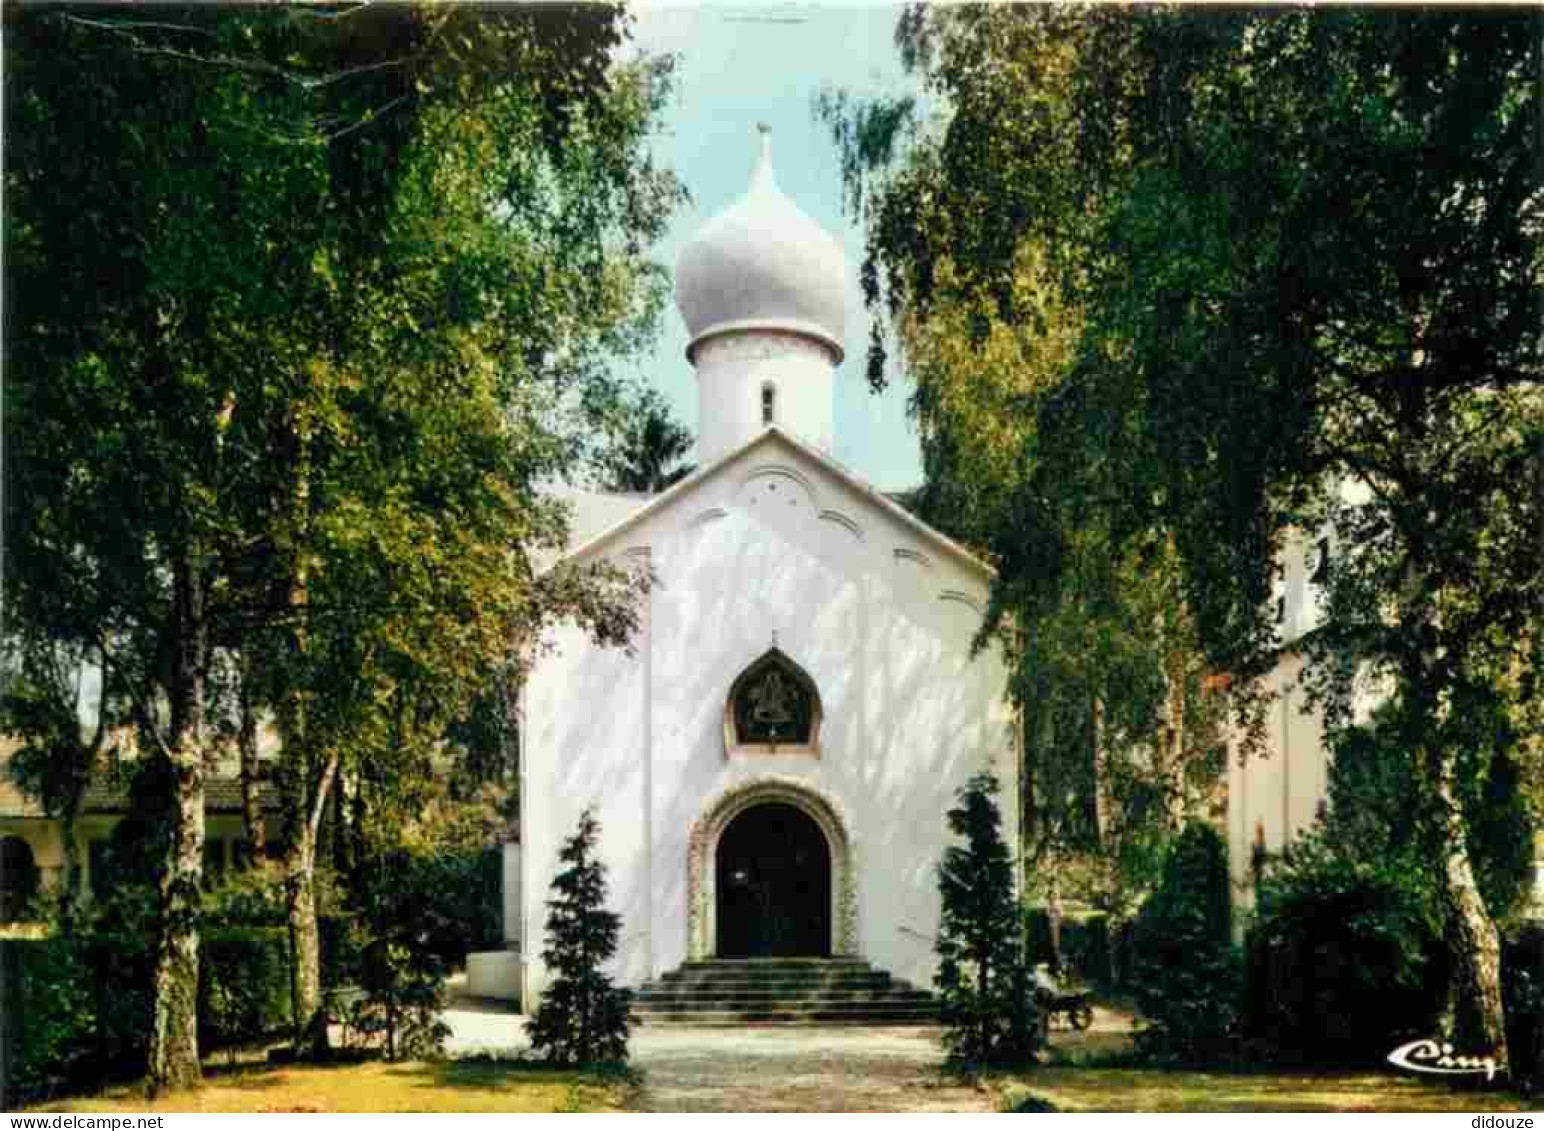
702	854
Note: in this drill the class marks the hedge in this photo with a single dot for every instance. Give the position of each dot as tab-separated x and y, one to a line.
1085	941
73	1009
1522	982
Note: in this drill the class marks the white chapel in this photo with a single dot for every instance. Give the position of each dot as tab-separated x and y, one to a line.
772	763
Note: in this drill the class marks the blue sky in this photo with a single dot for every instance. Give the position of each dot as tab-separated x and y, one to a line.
739	64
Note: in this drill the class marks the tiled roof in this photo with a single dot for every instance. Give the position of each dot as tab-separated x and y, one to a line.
109	793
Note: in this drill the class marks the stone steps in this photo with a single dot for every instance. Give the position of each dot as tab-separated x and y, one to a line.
666	1001
872	982
781	991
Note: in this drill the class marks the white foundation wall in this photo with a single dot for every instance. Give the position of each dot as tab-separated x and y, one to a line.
878	615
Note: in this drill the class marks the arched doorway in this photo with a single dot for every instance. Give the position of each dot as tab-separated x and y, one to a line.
774	885
707	832
18	878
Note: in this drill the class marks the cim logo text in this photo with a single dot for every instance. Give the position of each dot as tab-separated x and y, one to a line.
1436	1058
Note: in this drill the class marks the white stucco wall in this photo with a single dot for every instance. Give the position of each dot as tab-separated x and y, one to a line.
1275	796
881	618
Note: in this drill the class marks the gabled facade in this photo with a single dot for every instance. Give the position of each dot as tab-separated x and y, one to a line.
787	595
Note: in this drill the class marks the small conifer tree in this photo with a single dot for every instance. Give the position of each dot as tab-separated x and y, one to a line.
583	1018
989	1013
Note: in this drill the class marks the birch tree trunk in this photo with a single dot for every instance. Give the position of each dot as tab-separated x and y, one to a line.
251	775
1479	1021
1053	914
1102	799
173	1053
73	873
308	800
306	947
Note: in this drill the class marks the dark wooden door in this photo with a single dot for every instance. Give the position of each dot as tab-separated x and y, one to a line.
773	885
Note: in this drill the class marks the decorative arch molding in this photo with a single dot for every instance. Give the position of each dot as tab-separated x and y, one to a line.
960	597
797	697
837	518
702	858
914	557
765	481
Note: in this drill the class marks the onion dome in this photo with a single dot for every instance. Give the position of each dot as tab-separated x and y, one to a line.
762	264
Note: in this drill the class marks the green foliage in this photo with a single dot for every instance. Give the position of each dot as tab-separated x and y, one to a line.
410	925
1375	813
1186	972
1522	977
1278	294
247	897
77	1008
404	995
343	940
1345	958
314	455
1121	733
989	1014
244	985
583	1019
1085	943
49	1018
646	447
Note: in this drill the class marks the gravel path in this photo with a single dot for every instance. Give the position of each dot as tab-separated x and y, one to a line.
778	1069
845	1069
757	1069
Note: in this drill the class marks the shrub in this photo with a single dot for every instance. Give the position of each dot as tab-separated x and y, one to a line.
400	947
1345	959
404	995
583	1018
343	940
248	897
989	1014
1522	985
243	986
47	1017
1085	940
122	970
1186	973
76	1008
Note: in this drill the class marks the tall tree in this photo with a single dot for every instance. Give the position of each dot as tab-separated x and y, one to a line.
1305	247
1122	736
989	1012
647	447
320	446
583	1018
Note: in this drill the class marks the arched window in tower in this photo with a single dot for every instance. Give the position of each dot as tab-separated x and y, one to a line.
773	707
768	404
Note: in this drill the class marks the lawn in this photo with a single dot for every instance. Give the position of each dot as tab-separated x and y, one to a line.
1121	1089
469	1085
450	1085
